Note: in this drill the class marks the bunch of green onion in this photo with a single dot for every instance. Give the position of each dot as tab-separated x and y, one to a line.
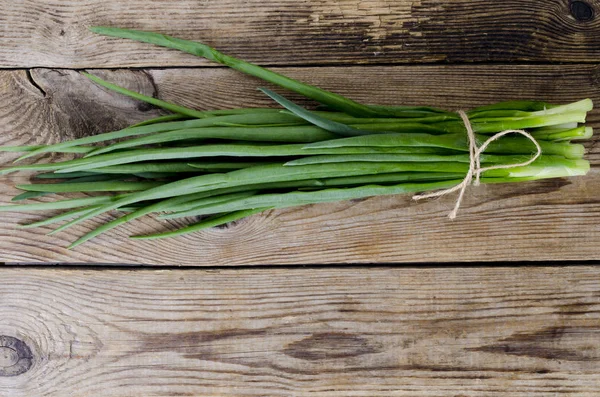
224	165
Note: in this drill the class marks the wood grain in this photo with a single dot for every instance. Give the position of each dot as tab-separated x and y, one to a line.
476	332
53	33
547	220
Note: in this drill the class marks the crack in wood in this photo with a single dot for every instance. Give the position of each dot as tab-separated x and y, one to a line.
35	83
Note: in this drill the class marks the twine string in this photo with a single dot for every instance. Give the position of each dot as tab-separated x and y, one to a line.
475	163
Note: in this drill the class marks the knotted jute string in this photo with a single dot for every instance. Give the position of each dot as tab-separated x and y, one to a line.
475	163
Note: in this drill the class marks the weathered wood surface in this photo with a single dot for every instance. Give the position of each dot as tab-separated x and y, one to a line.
546	220
476	332
53	33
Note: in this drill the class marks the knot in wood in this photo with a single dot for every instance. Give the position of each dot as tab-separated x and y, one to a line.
581	11
15	356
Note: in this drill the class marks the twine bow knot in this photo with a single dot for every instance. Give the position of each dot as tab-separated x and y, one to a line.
475	168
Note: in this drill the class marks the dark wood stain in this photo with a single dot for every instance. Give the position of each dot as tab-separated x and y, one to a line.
191	342
358	200
230	225
554	343
541	187
330	345
575	309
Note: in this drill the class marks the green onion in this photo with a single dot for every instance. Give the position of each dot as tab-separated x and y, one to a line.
233	163
330	99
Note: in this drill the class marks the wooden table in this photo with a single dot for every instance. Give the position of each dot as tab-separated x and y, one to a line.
503	301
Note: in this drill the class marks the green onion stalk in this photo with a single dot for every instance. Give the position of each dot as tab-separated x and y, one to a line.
224	165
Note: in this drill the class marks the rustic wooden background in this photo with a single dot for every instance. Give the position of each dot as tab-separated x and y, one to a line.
480	327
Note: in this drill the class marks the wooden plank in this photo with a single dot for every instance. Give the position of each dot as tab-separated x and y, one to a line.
53	33
476	332
546	220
